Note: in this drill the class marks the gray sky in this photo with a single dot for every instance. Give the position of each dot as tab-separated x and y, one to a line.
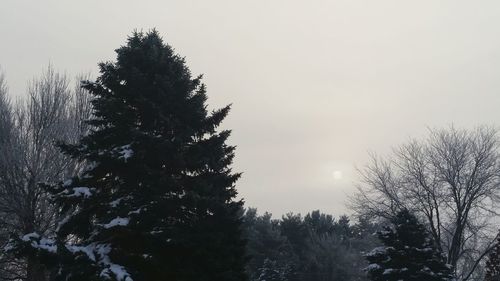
315	85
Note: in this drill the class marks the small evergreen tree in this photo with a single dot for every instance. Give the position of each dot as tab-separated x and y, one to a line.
271	271
157	202
408	253
493	263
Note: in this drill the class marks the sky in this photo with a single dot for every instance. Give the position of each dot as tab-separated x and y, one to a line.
314	85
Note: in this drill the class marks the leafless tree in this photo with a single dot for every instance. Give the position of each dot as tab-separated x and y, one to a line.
451	180
29	130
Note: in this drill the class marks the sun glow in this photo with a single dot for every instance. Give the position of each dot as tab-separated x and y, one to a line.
337	175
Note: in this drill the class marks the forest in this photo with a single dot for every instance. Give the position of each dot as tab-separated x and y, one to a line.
128	177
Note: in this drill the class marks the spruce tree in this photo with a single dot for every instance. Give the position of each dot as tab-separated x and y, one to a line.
271	271
409	253
493	263
157	201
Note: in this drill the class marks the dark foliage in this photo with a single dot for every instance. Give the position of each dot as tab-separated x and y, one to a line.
493	263
309	248
409	253
157	201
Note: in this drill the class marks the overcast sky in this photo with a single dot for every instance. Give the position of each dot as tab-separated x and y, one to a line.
315	85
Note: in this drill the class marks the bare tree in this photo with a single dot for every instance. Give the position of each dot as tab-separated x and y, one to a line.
450	180
5	111
51	112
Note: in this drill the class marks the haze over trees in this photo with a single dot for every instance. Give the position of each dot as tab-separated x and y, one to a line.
311	247
128	178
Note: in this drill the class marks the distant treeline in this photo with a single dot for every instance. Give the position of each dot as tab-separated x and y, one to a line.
316	246
128	178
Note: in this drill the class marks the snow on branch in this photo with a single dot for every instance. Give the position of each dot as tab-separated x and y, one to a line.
38	242
77	192
125	152
111	268
117	222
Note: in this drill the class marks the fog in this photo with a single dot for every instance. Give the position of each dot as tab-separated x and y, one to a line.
315	85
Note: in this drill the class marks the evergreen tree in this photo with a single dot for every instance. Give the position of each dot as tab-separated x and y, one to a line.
265	244
408	253
493	263
271	271
320	223
157	201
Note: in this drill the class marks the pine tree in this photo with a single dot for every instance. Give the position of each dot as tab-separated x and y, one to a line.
158	199
493	263
408	253
266	244
271	271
